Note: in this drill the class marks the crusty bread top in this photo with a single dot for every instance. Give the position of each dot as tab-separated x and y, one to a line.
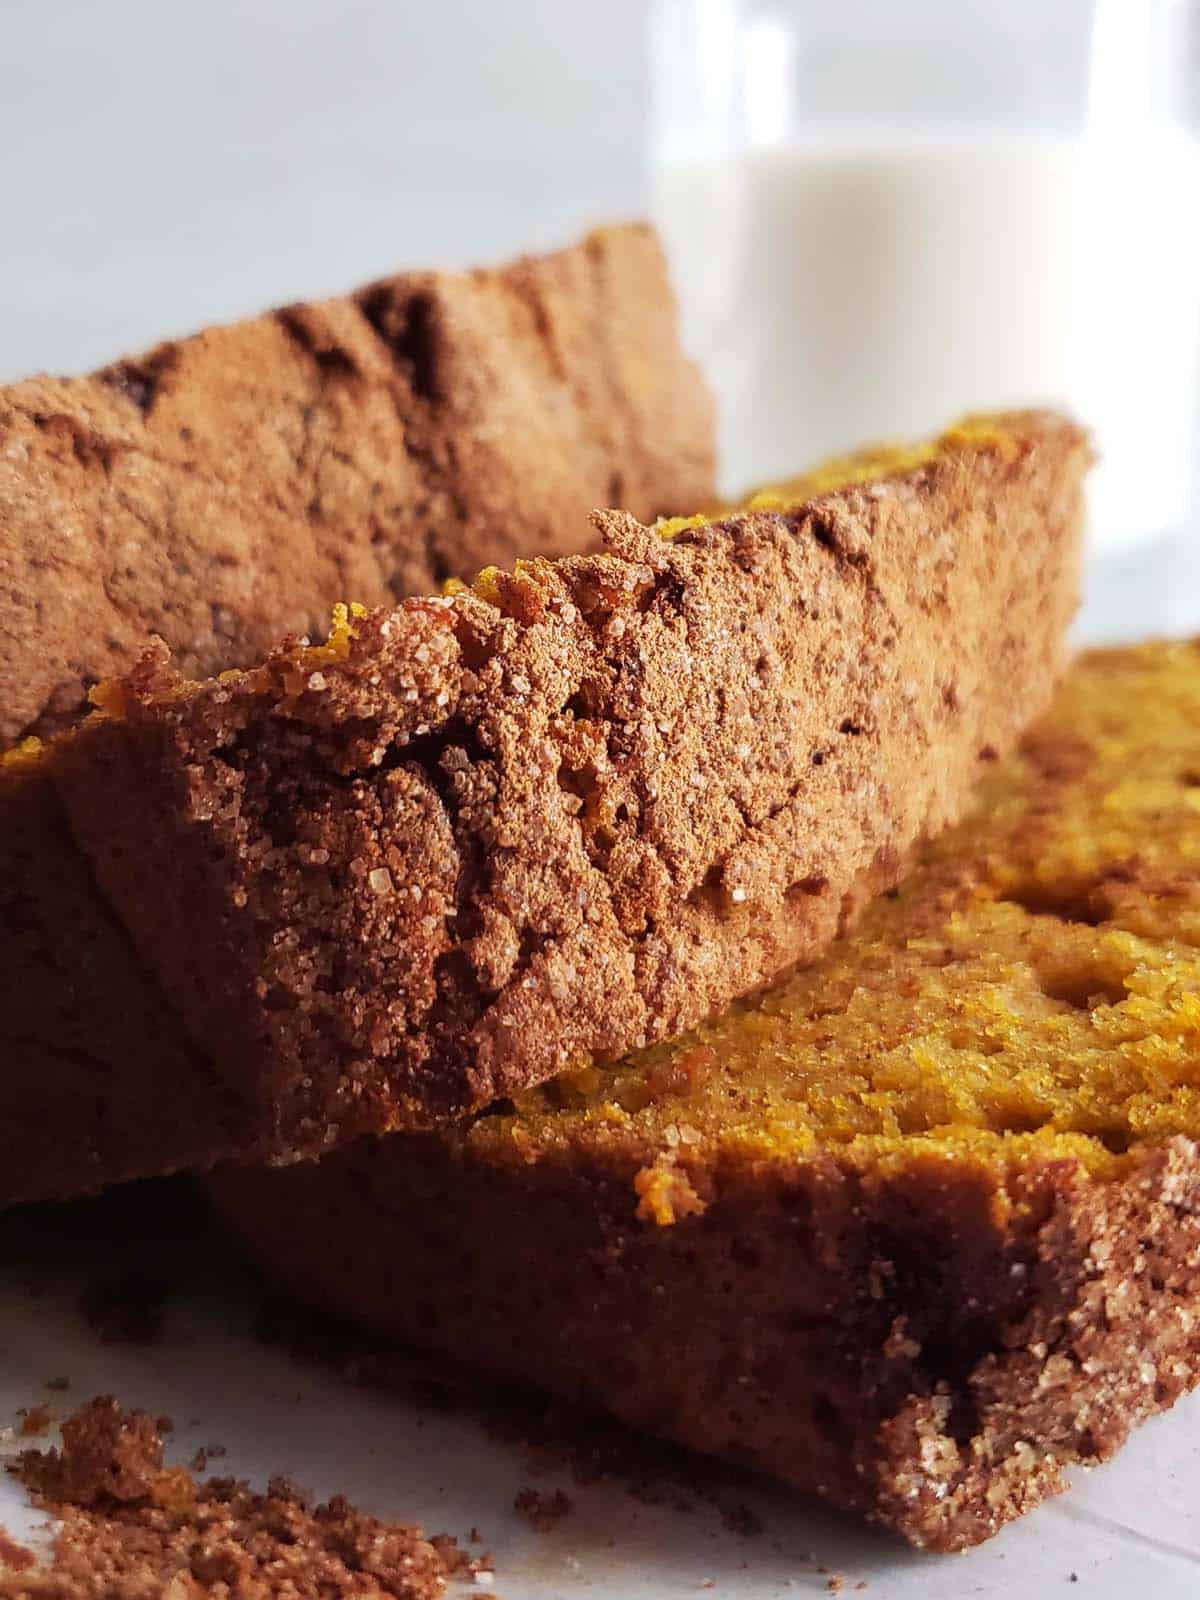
227	488
475	839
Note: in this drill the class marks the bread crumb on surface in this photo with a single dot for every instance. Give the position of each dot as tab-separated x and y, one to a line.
133	1528
14	1557
542	1511
35	1420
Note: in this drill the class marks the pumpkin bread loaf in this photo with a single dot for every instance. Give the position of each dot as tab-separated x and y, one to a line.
474	841
917	1229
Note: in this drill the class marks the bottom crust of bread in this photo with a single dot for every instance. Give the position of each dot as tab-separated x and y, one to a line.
933	1350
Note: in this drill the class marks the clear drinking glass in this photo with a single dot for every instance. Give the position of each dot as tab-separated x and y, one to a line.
881	216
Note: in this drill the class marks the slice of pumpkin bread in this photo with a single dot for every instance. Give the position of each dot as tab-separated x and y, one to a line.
474	840
224	489
916	1230
228	486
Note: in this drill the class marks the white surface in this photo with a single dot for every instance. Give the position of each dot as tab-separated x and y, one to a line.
1142	591
1131	1527
876	288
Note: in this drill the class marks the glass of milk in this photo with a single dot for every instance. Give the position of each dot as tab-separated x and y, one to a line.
881	215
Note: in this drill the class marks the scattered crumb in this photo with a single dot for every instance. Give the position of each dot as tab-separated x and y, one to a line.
14	1557
455	1559
835	1583
542	1511
59	1385
205	1454
35	1420
741	1520
133	1527
126	1310
665	1193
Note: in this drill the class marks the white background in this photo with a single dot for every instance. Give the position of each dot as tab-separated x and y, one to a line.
165	165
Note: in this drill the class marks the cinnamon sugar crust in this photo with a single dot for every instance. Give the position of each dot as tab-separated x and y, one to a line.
224	489
475	840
